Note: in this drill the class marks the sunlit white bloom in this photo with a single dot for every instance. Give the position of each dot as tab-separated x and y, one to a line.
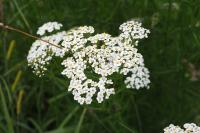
133	30
100	55
188	128
191	128
48	27
76	38
99	37
173	129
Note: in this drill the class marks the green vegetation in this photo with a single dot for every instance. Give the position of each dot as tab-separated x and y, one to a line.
29	104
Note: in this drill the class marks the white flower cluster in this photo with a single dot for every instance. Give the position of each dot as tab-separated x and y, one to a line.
188	128
49	27
75	38
41	52
132	30
101	55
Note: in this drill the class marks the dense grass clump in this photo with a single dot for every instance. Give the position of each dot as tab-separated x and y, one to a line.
29	104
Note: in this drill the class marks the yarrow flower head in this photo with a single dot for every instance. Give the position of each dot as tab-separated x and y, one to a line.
188	128
100	54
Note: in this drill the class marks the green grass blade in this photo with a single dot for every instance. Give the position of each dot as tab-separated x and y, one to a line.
7	90
62	130
80	121
57	97
126	127
16	81
66	120
36	125
6	112
24	126
14	68
22	15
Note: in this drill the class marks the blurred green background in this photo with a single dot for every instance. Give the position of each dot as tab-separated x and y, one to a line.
29	104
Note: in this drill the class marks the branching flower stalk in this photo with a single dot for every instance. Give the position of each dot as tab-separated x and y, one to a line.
2	25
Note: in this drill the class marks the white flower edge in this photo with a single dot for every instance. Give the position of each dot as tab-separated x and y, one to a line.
48	27
188	128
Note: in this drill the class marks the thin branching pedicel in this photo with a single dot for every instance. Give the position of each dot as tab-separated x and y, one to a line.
101	54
